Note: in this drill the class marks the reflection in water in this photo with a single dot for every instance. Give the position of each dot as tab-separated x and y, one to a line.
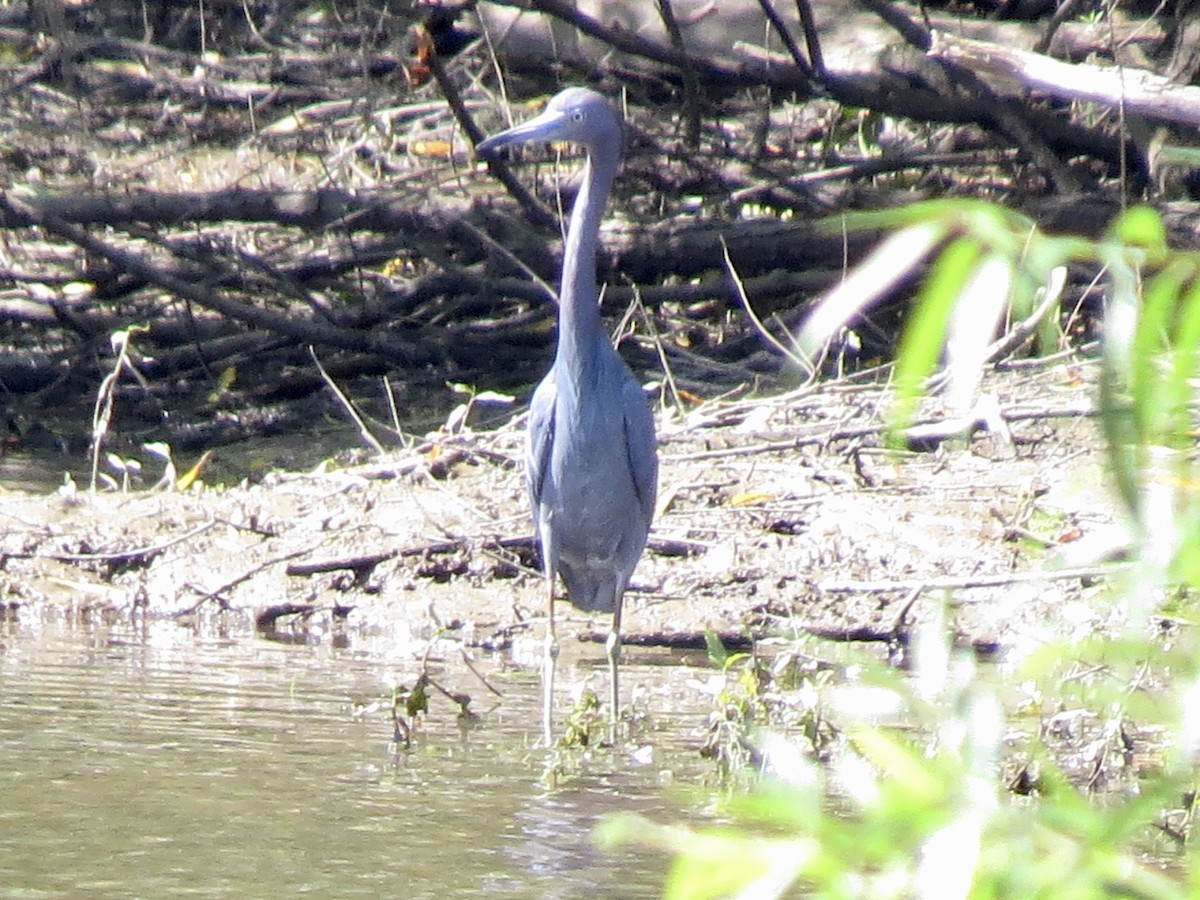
159	762
549	822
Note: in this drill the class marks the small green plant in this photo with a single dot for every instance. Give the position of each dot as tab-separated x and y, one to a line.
738	710
407	707
584	721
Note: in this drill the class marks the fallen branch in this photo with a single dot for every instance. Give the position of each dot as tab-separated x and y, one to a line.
411	352
1012	70
218	593
360	565
265	618
944	426
970	582
733	641
136	555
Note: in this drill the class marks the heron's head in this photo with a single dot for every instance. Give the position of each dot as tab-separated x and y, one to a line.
577	114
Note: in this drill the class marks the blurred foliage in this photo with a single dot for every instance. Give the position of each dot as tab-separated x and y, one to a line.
970	798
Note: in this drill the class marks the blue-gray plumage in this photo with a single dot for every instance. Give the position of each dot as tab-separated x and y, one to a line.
591	464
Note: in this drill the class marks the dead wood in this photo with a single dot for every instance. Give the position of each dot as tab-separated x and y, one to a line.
381	211
639	251
393	258
864	63
850	39
267	618
110	562
732	641
360	565
1014	71
636	251
220	594
969	582
293	327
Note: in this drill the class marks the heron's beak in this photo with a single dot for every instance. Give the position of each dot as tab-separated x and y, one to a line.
544	127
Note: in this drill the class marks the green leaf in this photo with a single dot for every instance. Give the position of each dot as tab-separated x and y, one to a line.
1178	388
902	766
1159	300
1140	226
921	344
1116	407
716	862
716	650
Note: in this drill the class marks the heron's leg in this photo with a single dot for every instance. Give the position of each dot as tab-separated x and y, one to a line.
612	648
548	664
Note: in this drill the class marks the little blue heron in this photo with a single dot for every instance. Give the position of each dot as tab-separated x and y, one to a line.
590	460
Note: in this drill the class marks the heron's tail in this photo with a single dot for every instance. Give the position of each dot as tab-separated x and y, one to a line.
588	589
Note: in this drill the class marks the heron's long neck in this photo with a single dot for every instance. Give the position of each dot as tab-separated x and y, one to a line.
579	326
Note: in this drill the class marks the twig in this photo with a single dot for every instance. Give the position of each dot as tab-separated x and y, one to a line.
1023	330
461	543
218	592
957	583
363	431
200	294
1078	354
898	623
691	84
916	34
357	564
470	664
537	213
490	242
668	375
784	35
788	352
107	392
866	168
121	555
1066	9
676	640
861	431
405	442
812	38
1013	531
677	546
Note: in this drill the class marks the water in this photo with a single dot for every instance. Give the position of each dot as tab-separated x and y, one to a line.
156	761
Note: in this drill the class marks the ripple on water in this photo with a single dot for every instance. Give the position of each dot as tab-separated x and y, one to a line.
158	762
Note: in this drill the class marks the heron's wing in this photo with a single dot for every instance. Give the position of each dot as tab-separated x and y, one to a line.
539	440
640	445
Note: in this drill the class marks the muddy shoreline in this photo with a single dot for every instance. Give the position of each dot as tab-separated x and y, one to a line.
778	515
